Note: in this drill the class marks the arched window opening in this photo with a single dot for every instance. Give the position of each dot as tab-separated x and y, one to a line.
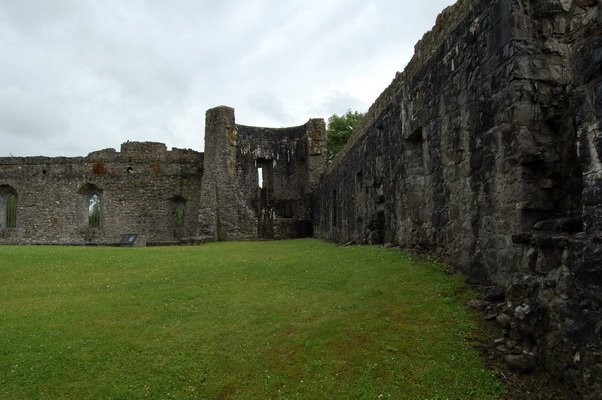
93	204
8	207
11	211
178	212
94	210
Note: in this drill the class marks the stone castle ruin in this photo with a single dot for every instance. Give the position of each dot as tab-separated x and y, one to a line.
257	182
486	150
169	197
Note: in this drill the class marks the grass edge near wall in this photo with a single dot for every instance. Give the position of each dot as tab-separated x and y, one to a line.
287	319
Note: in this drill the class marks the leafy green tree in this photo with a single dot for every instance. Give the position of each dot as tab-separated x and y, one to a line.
340	129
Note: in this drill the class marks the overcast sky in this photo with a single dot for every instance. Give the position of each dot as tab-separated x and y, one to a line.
83	75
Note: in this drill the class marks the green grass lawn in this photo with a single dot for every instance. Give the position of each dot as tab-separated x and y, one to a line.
300	319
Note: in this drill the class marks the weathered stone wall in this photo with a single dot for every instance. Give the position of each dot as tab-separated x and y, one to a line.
486	150
139	189
559	279
155	193
435	165
291	161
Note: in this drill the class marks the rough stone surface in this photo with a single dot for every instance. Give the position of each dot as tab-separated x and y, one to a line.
503	320
521	362
477	304
139	188
487	151
177	196
290	160
495	293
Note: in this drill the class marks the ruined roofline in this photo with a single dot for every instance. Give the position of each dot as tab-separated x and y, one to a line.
29	160
263	129
272	130
105	154
110	152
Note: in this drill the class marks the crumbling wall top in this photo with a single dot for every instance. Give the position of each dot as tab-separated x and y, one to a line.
104	153
143	147
447	21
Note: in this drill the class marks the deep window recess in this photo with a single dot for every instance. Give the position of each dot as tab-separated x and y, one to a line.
414	152
178	212
11	211
180	215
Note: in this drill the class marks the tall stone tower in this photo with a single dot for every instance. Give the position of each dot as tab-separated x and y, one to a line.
223	214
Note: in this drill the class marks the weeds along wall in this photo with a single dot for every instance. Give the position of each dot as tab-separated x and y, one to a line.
144	189
487	150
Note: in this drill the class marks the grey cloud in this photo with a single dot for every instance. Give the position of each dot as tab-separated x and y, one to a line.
339	103
24	115
103	72
33	17
268	107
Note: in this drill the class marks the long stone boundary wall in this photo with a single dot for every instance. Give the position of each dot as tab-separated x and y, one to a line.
487	150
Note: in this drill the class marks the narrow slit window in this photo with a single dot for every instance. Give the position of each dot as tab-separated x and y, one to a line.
334	208
180	214
265	174
260	177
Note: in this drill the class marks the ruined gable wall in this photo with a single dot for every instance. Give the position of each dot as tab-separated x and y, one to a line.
234	206
287	161
137	184
485	150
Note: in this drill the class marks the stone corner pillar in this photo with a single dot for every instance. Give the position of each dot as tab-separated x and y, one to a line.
316	150
223	214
